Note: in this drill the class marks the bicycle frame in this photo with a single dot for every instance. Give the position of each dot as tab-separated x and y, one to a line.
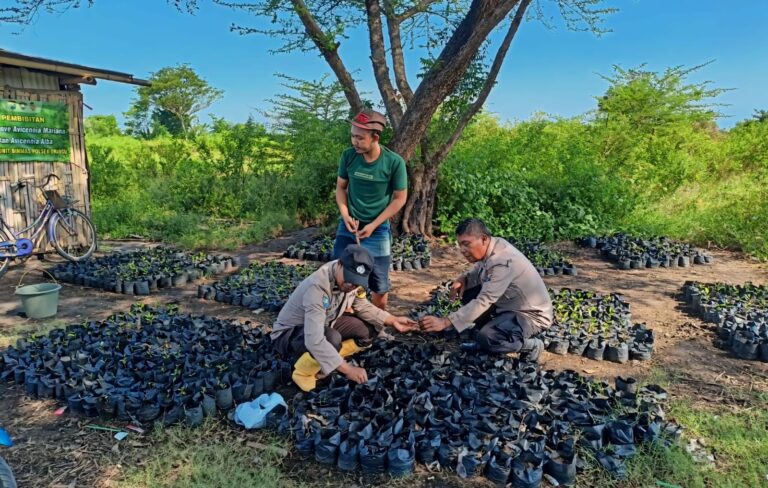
37	227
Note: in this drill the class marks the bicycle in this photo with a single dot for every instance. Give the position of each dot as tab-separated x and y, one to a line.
69	230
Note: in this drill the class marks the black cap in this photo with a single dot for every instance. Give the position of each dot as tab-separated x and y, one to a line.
357	263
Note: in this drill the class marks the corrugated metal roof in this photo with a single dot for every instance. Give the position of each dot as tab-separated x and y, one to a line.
23	61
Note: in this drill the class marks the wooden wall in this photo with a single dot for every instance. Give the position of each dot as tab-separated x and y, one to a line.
20	208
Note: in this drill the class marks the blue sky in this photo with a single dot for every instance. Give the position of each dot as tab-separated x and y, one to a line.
547	70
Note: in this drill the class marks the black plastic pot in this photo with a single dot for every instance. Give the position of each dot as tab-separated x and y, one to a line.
617	352
577	347
562	468
349	457
224	398
559	346
613	465
141	288
75	404
327	446
426	448
620	433
448	455
640	352
372	459
400	461
626	385
744	347
193	416
527	470
592	436
31	382
469	465
763	352
305	445
595	350
498	469
173	416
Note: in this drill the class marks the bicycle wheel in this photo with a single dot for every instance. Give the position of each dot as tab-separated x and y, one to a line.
4	262
6	475
72	234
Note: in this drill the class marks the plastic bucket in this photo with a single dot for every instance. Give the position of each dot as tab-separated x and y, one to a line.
40	300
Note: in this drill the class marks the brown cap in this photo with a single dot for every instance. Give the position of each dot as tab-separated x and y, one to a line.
370	120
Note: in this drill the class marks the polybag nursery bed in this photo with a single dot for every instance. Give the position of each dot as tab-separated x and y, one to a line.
143	271
264	286
151	363
740	313
409	251
629	252
547	261
475	414
586	323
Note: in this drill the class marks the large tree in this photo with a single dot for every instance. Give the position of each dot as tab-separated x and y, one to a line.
173	99
456	77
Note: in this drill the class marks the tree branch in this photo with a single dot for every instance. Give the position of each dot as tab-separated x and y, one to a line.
446	73
330	51
379	60
490	81
420	7
396	51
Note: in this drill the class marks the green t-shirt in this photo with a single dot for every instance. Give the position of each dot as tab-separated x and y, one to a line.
371	184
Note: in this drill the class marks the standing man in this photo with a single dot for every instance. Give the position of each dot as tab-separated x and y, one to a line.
371	187
502	294
315	328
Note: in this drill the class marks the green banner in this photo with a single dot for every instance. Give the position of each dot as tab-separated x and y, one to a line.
34	131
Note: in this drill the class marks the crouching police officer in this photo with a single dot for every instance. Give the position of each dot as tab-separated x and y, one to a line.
315	328
502	295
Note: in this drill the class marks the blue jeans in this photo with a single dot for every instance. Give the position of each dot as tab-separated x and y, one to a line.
379	244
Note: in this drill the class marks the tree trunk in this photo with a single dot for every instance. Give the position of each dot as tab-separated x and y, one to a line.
416	216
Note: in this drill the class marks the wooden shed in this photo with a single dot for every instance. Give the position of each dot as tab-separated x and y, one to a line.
28	81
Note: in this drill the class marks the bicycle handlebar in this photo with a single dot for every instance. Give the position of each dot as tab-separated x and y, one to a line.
21	184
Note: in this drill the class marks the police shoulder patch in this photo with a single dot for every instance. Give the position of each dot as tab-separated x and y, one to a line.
360	292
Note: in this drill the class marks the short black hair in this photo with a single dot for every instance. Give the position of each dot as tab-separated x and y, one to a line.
472	226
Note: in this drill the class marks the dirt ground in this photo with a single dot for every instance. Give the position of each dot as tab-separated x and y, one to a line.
61	452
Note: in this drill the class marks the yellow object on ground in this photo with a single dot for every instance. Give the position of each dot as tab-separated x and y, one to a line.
306	370
349	347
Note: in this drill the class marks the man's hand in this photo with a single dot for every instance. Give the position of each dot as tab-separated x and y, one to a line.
434	324
404	324
351	223
366	231
353	373
457	289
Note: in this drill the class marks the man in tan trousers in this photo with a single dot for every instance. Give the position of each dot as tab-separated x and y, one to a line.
502	295
314	323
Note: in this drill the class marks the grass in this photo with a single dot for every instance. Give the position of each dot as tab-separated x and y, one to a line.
218	456
729	211
8	337
211	456
186	230
738	439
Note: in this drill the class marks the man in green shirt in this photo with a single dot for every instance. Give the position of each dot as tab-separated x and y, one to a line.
371	187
